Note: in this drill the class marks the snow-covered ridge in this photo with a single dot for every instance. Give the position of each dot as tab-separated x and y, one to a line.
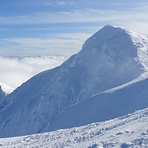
143	76
141	42
7	89
127	131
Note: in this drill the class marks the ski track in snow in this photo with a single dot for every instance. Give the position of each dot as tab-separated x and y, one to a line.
130	131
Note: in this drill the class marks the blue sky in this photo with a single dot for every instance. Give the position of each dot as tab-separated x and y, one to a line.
58	27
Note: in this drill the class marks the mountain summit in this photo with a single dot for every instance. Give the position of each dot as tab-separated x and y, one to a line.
111	57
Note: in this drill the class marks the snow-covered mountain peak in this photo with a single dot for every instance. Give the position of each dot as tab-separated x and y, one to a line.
108	59
110	41
118	45
103	34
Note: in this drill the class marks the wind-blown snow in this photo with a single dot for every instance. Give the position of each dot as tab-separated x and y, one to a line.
108	59
142	43
129	131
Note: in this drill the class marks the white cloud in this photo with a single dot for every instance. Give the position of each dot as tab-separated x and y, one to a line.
16	70
61	3
50	4
77	36
76	16
60	43
131	19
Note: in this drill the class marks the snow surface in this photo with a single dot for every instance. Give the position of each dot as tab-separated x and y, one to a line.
2	94
7	89
130	131
4	90
110	58
142	43
104	106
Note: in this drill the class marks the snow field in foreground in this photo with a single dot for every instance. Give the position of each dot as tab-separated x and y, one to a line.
128	131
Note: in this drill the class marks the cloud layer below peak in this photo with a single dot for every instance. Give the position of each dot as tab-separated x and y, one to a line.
16	70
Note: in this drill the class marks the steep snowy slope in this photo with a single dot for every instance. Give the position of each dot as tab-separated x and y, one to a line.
126	132
111	57
104	106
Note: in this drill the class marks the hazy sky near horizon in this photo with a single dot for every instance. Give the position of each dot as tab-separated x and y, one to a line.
57	27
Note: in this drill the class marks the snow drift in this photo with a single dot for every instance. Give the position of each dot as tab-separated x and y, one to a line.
111	57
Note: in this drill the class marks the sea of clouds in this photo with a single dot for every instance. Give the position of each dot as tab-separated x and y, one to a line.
15	70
